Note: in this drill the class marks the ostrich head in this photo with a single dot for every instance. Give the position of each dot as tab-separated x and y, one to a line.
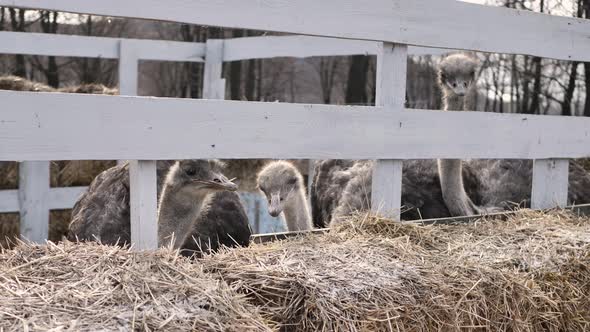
279	181
199	176
457	74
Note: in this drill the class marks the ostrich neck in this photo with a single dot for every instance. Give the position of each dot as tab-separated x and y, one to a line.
178	211
451	171
296	212
453	102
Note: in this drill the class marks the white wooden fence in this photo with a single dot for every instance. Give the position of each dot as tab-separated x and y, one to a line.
113	127
34	198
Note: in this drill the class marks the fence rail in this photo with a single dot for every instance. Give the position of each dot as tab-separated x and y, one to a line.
129	52
104	127
413	22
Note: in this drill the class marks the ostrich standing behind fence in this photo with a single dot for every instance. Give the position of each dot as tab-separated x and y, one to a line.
457	82
191	206
283	186
429	190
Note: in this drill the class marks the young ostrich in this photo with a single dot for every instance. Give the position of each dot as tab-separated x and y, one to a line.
283	186
197	204
457	82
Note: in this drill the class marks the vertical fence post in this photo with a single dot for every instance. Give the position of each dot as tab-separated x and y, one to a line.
213	84
33	187
142	173
386	188
550	183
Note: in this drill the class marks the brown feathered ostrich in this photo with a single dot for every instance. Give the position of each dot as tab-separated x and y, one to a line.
284	189
198	208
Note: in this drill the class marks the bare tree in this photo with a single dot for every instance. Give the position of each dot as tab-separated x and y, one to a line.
356	92
49	24
2	19
327	68
235	73
17	20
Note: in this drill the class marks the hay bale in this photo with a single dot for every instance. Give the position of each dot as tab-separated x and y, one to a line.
17	83
68	173
59	221
92	88
529	273
8	175
89	287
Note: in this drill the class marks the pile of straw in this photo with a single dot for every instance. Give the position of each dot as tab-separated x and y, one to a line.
529	273
89	287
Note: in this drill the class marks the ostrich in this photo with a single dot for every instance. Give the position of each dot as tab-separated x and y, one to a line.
196	204
431	190
283	186
456	78
447	187
503	182
422	196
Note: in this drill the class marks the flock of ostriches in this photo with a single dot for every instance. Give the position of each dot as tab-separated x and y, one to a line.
199	209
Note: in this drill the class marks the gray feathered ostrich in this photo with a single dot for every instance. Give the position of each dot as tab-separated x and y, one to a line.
283	187
429	189
196	204
446	188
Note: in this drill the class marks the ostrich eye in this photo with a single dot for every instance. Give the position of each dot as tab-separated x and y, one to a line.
191	172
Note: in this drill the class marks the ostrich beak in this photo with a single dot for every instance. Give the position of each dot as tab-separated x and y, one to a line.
275	208
219	182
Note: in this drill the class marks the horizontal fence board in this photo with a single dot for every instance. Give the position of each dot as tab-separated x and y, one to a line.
9	201
64	198
97	47
415	22
57	198
55	126
306	46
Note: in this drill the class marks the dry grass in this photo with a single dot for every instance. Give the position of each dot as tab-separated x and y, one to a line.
91	287
529	273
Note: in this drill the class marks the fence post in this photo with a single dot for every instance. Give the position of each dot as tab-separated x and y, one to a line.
550	183
386	188
33	187
213	84
143	202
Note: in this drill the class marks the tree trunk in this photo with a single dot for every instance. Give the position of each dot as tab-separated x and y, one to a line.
587	81
250	91
49	25
356	88
235	73
535	101
566	104
2	20
259	80
587	68
18	24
